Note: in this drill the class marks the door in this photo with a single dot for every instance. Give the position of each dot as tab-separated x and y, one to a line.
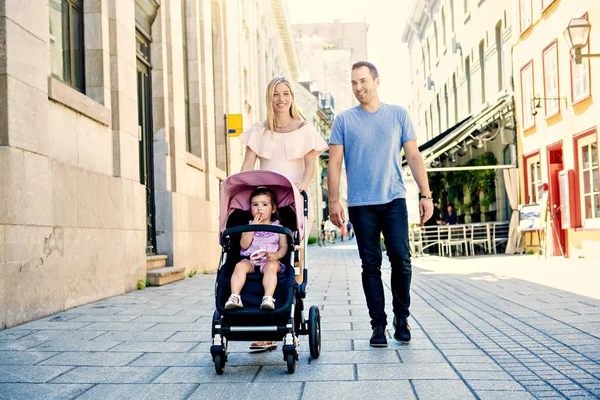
145	136
555	165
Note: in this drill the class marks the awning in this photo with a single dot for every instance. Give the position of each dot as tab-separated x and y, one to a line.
444	135
465	128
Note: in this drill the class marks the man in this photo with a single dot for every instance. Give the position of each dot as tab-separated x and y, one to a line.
450	217
370	137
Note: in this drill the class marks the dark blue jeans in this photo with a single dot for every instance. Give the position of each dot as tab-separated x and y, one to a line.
369	223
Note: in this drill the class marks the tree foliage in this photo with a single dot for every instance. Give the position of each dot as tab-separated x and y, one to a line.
475	182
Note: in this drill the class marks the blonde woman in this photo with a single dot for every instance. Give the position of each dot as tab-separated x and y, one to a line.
287	144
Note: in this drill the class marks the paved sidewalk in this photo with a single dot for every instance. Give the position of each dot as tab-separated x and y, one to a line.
476	334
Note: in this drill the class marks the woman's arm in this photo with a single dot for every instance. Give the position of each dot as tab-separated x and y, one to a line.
309	169
283	246
249	160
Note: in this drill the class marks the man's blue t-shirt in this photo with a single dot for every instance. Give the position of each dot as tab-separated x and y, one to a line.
373	152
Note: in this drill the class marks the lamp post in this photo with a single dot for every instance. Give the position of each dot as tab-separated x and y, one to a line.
577	35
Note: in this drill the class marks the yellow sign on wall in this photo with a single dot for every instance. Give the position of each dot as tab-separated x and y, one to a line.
235	125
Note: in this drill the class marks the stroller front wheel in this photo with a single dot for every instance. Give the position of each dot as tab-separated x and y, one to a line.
220	364
291	363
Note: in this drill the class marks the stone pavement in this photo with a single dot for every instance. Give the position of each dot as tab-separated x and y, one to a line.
476	334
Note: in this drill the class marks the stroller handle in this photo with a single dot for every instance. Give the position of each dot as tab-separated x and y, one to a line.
305	208
257	227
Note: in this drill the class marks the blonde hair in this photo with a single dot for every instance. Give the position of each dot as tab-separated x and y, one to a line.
294	113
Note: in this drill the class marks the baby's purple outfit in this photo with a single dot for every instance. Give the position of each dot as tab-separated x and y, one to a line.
268	241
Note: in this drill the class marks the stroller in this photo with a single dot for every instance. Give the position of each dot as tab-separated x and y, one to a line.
251	323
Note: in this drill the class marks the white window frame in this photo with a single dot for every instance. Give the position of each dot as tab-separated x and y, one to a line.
525	14
527	95
593	222
551	88
580	80
534	180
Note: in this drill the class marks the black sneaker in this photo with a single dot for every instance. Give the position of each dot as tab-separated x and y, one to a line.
378	337
402	330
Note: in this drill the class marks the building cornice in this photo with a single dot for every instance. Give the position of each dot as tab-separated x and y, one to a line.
420	14
285	33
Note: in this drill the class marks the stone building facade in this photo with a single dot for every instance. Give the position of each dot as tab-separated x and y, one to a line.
461	87
112	137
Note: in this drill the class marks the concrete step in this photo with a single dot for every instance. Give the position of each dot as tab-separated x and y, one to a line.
164	276
154	262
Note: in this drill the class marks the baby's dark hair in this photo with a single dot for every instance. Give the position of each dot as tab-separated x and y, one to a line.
265	190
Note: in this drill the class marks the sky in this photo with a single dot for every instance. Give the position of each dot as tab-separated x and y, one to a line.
385	49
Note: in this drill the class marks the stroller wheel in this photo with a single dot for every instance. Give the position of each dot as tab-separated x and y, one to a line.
220	364
291	363
314	332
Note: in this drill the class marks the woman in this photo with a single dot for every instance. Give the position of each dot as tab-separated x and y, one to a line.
287	144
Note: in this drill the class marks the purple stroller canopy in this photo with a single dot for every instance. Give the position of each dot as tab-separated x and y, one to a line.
236	189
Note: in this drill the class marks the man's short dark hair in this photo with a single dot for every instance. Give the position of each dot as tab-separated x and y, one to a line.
372	68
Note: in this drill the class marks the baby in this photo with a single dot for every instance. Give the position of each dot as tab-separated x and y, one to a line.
260	249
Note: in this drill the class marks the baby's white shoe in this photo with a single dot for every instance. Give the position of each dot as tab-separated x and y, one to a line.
268	303
234	301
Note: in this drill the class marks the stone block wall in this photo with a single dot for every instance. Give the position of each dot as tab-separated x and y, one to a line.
72	228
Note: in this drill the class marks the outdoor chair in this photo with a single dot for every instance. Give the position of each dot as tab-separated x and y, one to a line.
480	236
499	234
457	236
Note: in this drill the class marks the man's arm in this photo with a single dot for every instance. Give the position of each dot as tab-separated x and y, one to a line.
336	211
417	166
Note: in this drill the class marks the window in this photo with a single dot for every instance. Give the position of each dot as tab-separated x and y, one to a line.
550	65
66	42
526	14
482	69
468	77
580	79
533	178
499	53
444	41
435	32
452	15
527	95
426	127
424	64
439	114
546	4
455	96
428	54
186	77
447	106
431	119
589	194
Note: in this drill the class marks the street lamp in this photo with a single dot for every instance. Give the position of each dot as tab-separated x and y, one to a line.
577	35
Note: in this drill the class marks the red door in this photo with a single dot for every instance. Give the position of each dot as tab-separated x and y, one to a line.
554	229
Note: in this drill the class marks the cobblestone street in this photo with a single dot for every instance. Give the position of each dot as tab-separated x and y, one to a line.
476	334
